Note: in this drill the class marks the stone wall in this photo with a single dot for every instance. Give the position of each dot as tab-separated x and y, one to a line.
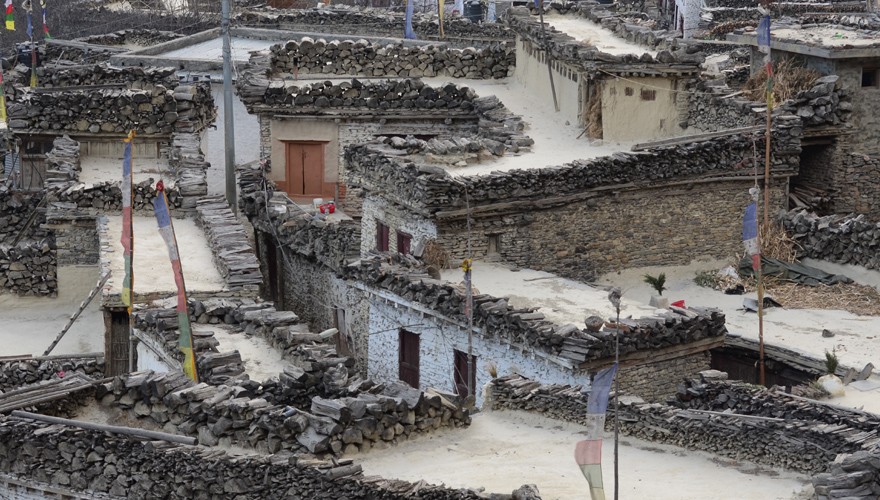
86	460
362	58
15	209
850	239
377	210
793	434
658	381
150	110
30	268
526	327
76	237
855	476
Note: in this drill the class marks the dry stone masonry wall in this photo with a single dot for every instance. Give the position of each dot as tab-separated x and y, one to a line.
362	58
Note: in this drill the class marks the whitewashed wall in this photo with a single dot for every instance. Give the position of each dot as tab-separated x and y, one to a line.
149	360
438	339
397	219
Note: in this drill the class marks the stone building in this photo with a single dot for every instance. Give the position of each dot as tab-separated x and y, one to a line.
425	168
840	157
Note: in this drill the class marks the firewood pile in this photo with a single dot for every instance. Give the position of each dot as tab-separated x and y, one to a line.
88	461
845	239
149	111
369	21
17	373
363	58
725	418
233	254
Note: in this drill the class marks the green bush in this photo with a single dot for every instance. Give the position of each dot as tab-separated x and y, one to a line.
657	282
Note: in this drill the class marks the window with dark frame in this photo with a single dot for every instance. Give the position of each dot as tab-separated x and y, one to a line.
628	91
869	77
381	237
404	242
494	244
648	95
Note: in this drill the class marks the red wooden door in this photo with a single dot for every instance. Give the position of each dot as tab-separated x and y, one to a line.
408	357
305	169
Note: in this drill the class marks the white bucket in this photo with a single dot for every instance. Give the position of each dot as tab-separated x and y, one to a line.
317	201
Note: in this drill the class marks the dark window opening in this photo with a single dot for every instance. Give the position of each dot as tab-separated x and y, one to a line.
381	237
460	369
648	95
628	91
404	241
869	77
494	244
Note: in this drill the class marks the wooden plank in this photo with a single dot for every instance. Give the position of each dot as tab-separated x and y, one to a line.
696	138
127	431
647	356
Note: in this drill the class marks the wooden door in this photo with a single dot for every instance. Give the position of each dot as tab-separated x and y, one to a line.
116	342
305	169
460	369
409	358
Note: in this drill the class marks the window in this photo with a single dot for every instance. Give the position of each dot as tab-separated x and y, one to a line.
869	77
628	91
648	94
403	243
460	367
381	237
494	244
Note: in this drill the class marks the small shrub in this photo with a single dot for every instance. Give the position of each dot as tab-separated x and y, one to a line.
657	282
831	362
708	279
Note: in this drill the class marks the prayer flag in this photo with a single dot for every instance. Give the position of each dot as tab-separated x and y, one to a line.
127	235
28	7
408	29
10	16
750	234
588	453
45	21
166	230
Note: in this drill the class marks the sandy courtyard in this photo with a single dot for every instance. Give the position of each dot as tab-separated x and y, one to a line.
503	450
152	268
29	324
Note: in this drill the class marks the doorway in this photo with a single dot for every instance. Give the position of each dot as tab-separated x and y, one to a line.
408	357
304	170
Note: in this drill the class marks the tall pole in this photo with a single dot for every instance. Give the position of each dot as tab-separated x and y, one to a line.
767	158
760	280
549	59
615	296
228	122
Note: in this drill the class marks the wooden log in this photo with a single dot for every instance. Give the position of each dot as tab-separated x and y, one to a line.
113	429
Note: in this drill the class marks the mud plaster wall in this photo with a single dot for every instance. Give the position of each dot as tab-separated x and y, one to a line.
632	229
531	72
438	339
640	109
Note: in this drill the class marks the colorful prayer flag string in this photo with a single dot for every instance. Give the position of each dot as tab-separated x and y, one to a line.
588	453
127	239
45	20
166	229
10	16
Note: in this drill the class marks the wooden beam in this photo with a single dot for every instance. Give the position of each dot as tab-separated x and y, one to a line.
696	138
113	429
648	356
